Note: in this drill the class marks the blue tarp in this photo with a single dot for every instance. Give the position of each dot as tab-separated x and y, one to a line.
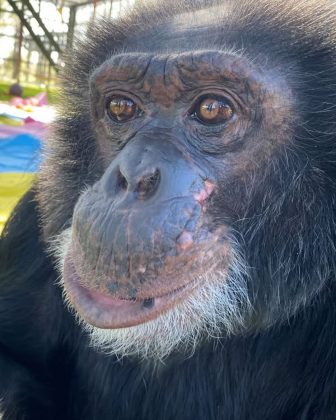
20	154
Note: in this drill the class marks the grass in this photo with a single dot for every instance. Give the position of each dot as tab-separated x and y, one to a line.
28	91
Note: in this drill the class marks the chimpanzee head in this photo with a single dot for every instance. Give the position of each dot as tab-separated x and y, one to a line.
190	177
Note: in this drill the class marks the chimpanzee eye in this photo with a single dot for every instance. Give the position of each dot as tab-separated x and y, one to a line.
213	110
121	108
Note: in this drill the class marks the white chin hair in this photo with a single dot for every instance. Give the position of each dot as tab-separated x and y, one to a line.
219	306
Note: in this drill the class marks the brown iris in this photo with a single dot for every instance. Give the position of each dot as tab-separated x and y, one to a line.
213	110
121	108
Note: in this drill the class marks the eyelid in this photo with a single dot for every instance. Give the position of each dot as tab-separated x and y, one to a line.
120	93
231	97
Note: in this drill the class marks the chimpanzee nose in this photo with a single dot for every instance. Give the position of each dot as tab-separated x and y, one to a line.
143	186
145	171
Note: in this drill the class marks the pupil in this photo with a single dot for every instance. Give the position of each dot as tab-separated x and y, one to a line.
210	108
119	107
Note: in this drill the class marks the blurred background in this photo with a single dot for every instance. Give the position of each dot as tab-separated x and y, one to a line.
33	38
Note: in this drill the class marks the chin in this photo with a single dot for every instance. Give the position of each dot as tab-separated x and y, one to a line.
212	305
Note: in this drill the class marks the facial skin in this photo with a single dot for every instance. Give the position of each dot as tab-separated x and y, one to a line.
149	247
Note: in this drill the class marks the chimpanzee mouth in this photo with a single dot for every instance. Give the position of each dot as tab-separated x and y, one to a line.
104	311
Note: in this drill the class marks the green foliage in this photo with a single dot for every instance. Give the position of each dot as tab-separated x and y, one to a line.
28	91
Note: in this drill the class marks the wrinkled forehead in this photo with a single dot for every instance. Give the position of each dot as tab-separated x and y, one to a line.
167	77
209	65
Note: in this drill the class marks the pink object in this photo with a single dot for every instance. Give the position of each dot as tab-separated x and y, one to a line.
29	120
16	101
40	99
34	128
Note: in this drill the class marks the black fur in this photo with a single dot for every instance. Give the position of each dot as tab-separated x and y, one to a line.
283	367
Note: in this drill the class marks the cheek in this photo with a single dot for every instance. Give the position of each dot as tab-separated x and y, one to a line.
106	147
112	138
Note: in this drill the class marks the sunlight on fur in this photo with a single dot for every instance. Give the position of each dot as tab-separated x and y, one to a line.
218	306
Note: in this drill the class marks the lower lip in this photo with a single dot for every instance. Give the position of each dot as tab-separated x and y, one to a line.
104	311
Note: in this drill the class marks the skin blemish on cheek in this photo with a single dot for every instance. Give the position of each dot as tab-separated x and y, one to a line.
184	241
205	193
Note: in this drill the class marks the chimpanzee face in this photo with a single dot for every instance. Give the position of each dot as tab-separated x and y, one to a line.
182	231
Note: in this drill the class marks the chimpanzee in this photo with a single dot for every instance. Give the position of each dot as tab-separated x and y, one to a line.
176	258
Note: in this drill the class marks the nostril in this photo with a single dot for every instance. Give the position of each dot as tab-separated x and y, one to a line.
122	181
148	184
